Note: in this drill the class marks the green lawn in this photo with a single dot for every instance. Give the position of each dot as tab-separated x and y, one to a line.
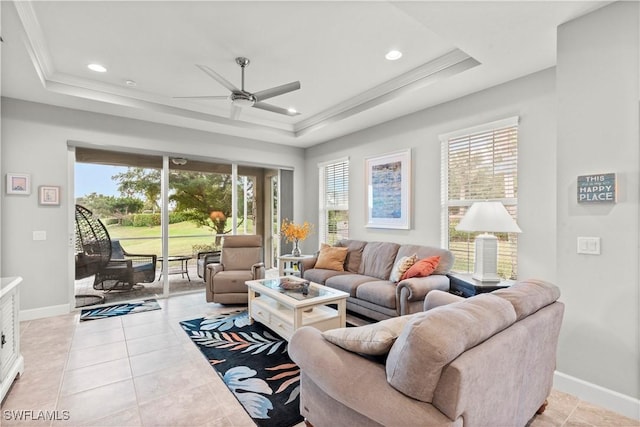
147	239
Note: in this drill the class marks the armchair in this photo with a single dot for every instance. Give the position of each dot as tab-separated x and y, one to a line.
124	270
240	260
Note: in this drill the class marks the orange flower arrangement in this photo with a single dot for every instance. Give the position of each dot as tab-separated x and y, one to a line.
294	232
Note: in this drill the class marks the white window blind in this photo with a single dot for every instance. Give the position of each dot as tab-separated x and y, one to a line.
480	164
333	223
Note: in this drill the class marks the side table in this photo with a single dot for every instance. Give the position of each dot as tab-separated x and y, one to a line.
462	284
288	265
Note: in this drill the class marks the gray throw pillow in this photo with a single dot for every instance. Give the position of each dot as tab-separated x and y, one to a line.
374	339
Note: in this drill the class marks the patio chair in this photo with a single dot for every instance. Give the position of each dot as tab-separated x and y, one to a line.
125	270
204	259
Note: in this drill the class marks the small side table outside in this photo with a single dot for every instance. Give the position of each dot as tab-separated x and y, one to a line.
288	264
464	285
183	269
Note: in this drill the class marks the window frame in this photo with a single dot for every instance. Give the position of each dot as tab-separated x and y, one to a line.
323	206
511	203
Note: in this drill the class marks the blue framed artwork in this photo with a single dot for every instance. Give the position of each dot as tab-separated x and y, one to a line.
389	190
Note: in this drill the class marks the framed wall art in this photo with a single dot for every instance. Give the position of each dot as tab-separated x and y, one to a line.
19	183
49	195
388	186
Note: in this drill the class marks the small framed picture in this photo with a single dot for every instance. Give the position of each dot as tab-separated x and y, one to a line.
19	183
49	195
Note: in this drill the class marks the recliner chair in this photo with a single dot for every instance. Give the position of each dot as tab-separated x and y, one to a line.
241	260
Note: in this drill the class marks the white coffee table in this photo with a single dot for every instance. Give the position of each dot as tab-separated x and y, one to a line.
285	311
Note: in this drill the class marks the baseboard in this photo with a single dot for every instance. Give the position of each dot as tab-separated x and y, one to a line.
597	395
39	313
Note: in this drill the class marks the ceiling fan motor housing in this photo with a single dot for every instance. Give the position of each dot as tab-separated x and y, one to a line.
242	99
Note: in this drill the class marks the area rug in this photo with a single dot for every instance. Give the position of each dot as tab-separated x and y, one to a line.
119	309
254	364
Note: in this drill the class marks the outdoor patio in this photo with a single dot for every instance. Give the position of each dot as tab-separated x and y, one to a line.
178	283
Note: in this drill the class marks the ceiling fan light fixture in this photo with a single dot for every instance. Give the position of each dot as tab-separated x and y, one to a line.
393	55
242	102
97	68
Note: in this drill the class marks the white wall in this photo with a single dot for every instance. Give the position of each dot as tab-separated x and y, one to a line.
597	80
34	140
531	98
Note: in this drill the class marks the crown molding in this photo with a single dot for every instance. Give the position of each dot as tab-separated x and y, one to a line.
447	65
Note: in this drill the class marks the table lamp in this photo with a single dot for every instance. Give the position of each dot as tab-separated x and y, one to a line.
487	217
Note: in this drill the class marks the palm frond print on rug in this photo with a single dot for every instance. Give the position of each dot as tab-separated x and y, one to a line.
119	309
254	364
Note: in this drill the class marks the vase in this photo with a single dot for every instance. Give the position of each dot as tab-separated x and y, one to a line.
296	249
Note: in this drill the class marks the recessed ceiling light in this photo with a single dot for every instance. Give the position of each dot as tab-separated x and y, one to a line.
130	83
292	110
97	67
392	55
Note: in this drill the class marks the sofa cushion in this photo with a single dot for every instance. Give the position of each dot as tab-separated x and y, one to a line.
401	266
446	256
529	296
331	258
319	275
378	259
374	339
379	292
354	253
431	340
347	282
422	268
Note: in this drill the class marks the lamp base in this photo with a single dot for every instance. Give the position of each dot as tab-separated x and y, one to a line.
486	265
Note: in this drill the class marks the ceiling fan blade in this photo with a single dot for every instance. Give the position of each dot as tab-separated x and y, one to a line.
274	109
275	91
203	97
217	77
235	112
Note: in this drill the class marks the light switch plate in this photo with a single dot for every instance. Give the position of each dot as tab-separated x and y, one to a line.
589	245
39	235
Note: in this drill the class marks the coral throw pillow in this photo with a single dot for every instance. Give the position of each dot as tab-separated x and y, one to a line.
422	268
331	258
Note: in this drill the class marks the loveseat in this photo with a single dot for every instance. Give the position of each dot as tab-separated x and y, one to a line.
366	277
483	361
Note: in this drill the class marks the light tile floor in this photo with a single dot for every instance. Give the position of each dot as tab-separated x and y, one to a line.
142	370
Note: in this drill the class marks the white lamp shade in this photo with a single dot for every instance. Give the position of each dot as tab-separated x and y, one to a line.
488	217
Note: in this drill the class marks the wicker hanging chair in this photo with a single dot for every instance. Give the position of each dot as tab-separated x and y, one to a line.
93	244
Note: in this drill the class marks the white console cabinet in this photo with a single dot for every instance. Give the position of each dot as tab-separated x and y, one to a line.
11	361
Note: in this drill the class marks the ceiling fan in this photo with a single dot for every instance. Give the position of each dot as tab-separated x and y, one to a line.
241	98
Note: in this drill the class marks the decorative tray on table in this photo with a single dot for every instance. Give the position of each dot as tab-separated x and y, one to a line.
293	284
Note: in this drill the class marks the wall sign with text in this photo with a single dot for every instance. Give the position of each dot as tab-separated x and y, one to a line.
600	188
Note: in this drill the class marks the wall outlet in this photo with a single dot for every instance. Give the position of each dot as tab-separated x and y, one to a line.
589	245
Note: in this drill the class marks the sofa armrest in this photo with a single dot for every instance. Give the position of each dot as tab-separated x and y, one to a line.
436	298
306	264
344	375
418	287
410	293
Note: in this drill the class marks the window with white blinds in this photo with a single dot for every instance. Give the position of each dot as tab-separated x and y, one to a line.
480	164
333	223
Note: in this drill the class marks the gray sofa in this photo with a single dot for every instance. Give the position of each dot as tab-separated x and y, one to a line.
483	361
367	268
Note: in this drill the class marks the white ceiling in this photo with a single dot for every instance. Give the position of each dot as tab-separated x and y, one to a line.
335	49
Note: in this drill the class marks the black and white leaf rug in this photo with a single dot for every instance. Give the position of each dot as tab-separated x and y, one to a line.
254	364
119	309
